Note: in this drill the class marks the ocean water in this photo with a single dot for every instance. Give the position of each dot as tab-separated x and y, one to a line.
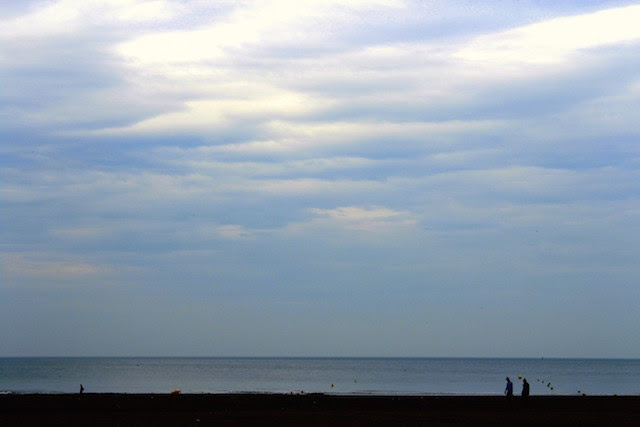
414	376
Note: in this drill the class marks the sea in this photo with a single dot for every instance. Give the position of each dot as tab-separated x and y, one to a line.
348	376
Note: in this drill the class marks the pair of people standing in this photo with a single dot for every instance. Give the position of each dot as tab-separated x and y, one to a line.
509	388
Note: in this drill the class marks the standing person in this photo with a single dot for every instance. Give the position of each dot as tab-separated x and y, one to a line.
508	390
525	388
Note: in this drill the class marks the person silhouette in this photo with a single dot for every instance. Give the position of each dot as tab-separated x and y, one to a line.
508	390
525	388
81	389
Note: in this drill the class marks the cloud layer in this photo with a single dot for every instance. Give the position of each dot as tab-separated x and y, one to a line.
358	169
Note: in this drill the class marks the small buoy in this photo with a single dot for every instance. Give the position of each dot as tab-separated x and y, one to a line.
331	385
176	391
519	377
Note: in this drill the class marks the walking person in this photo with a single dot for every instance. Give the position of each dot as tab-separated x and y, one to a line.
525	389
508	390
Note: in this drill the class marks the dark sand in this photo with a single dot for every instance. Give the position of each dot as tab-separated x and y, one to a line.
314	409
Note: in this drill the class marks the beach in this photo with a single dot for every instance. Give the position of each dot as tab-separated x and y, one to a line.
314	409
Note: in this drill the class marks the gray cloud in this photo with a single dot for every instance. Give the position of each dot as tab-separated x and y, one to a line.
236	166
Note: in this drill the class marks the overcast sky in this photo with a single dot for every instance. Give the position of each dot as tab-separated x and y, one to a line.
326	178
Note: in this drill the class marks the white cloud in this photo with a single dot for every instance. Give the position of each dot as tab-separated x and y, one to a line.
356	214
206	116
263	22
554	40
152	11
233	86
70	16
371	219
54	19
206	160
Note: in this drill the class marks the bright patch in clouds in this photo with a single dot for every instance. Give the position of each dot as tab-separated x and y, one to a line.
233	232
373	219
261	22
43	266
69	16
551	41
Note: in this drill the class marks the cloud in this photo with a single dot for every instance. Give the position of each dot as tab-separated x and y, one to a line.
353	222
267	22
233	232
373	219
398	81
402	83
554	40
65	17
364	155
48	267
205	116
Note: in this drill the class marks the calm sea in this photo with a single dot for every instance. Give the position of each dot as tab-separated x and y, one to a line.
325	375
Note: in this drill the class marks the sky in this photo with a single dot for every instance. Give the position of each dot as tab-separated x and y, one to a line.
322	178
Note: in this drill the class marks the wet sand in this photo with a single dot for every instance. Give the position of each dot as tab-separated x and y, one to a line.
314	409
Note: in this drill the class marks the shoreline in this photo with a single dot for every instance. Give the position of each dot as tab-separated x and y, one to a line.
178	394
314	409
